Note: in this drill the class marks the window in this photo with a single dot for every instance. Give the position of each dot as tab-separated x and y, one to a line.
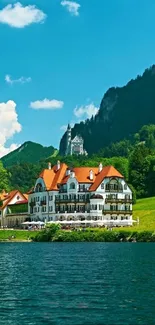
50	208
72	186
125	187
102	186
50	197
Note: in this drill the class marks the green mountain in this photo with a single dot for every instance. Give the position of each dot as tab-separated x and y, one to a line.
123	111
30	152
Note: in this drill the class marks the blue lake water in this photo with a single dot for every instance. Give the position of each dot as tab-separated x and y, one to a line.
77	283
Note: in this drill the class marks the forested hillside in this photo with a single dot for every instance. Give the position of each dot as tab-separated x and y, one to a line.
123	111
135	159
29	152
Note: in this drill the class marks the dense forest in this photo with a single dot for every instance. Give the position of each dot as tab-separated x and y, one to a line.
123	111
134	158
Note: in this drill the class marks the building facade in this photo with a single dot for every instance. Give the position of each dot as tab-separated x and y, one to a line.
14	209
74	146
98	196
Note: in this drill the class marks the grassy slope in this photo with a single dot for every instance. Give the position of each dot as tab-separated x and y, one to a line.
145	210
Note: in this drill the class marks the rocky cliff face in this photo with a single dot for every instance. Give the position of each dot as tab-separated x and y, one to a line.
123	111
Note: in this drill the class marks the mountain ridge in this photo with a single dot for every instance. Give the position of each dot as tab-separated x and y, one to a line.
30	152
122	113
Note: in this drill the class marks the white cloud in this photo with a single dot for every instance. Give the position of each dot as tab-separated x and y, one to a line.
16	15
86	111
72	6
47	104
21	80
9	125
4	151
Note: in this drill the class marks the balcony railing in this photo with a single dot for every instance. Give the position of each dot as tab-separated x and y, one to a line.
72	211
32	203
116	200
43	202
76	200
117	212
62	190
113	190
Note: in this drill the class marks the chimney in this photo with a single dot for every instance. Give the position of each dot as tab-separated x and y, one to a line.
72	174
58	164
91	175
68	172
100	167
49	165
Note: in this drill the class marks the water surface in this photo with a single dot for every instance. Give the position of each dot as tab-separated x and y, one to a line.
77	283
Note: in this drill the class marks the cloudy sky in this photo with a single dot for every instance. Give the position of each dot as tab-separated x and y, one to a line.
58	57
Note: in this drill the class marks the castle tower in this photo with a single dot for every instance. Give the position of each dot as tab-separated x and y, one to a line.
68	141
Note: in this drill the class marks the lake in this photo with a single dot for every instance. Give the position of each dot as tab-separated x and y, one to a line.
77	283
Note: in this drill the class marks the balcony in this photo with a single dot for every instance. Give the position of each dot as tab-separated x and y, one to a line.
63	190
114	190
72	211
76	200
32	204
117	212
116	200
43	202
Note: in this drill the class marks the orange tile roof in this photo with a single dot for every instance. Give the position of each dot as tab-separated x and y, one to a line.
82	175
59	176
9	197
52	177
26	196
108	171
48	176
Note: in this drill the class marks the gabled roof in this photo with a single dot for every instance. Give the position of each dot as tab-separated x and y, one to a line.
108	171
9	197
52	177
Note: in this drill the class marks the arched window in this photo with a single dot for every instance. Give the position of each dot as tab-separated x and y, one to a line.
125	187
39	187
72	186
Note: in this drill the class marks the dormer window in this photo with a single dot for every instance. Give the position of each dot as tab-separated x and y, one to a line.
72	186
39	188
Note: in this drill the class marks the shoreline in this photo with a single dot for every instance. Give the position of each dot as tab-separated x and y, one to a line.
87	235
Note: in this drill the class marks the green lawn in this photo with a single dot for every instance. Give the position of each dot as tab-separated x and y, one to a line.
19	235
144	209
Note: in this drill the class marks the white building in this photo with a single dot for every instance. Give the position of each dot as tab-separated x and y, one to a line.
13	209
74	146
85	195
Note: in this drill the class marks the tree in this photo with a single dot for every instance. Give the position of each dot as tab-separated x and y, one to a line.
4	178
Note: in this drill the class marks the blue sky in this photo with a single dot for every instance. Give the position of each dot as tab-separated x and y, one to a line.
69	53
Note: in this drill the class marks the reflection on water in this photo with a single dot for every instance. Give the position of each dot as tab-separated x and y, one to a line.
77	283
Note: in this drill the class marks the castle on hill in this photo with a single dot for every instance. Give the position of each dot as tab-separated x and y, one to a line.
74	146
